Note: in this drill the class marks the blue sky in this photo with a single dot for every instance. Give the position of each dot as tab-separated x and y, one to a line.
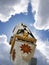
35	16
26	17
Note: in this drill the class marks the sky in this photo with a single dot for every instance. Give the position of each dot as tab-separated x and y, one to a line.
33	13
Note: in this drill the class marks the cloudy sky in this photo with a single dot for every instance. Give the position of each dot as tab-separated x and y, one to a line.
33	13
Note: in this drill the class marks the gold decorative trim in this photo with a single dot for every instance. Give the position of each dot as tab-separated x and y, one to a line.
33	40
12	44
24	38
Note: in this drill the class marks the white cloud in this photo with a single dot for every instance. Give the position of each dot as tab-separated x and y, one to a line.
3	38
4	51
12	7
41	7
43	47
41	51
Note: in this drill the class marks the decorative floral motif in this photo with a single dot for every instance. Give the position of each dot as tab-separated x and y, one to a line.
25	48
